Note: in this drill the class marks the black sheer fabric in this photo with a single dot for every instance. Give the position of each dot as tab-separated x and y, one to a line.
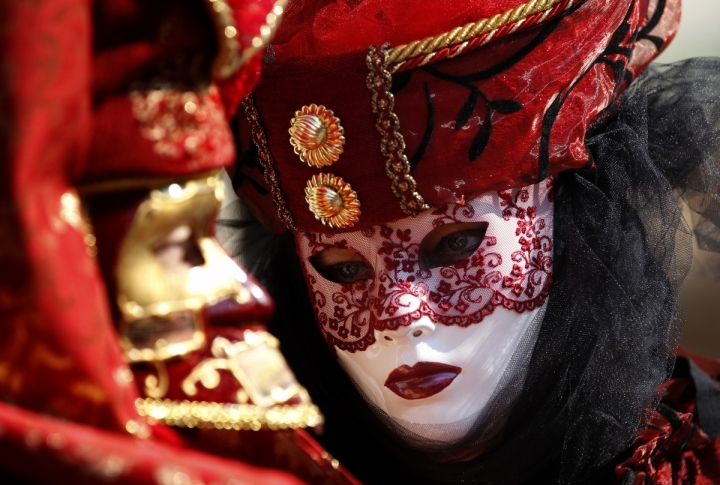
612	322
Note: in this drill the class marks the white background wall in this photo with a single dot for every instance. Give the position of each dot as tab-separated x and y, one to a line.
699	35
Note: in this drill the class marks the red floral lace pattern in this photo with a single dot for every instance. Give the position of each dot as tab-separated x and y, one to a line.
344	318
512	269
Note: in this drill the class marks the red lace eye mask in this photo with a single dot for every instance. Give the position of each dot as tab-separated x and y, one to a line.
511	268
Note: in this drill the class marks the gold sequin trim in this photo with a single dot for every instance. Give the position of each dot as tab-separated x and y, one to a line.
200	414
332	201
231	55
317	136
392	146
268	163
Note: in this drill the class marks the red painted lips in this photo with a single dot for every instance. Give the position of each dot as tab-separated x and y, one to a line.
422	380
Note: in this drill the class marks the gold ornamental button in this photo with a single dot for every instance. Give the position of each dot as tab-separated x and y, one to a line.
317	136
332	201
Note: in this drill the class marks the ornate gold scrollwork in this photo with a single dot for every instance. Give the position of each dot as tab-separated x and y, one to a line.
256	363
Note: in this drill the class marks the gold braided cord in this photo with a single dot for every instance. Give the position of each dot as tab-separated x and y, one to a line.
468	31
392	146
267	161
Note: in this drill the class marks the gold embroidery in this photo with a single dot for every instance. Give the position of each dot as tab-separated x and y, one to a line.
266	158
70	210
232	56
316	136
71	213
392	145
332	201
184	124
56	441
136	428
157	385
123	376
175	475
259	367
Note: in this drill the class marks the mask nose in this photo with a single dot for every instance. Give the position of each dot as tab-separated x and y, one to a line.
412	333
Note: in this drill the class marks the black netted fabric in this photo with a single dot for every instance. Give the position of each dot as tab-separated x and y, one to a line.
610	330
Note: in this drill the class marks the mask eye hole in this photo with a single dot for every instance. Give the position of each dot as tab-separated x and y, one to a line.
449	244
179	251
341	265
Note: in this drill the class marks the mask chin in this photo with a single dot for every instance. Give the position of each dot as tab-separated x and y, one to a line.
489	356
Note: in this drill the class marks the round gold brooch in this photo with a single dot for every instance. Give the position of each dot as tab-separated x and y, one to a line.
316	136
333	201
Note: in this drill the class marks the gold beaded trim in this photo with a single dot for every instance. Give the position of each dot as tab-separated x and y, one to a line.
392	145
317	136
474	34
268	163
231	57
201	414
332	201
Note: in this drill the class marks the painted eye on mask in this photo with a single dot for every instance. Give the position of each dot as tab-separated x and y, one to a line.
451	243
341	265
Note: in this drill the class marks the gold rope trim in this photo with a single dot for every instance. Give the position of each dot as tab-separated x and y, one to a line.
392	146
266	158
462	34
201	414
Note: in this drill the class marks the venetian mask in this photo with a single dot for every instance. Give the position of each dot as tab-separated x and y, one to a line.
190	319
426	313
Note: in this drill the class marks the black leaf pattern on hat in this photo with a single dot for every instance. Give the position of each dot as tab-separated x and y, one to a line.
468	108
505	106
616	55
429	128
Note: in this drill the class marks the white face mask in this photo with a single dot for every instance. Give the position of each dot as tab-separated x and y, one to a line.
426	313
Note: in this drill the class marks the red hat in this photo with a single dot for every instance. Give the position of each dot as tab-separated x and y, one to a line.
371	111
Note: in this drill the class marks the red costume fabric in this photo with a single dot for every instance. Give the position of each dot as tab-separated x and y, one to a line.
67	69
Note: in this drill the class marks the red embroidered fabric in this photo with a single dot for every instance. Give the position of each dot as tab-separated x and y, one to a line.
512	268
66	400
